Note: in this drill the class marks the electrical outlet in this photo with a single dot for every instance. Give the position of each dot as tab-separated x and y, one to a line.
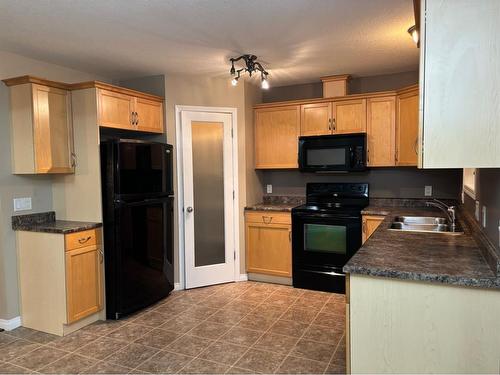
428	191
476	212
269	189
484	216
22	204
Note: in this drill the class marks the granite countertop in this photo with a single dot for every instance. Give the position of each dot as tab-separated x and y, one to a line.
46	222
283	203
431	257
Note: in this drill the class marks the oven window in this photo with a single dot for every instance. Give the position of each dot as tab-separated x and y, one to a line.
325	156
325	238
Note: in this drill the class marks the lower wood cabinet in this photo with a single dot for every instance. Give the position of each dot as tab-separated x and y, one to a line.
61	280
370	224
269	243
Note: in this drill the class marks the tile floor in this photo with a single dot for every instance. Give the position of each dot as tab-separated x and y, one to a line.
235	328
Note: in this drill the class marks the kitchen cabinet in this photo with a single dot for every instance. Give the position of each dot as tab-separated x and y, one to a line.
370	224
41	127
459	64
407	127
61	279
276	137
315	119
269	243
349	116
125	111
381	129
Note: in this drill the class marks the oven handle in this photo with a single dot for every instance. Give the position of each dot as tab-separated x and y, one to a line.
331	273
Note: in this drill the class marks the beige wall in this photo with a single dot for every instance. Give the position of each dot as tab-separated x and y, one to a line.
218	92
37	187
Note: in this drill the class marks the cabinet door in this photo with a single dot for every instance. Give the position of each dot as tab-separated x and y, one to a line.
115	110
52	130
349	116
83	282
269	249
149	116
315	119
407	129
276	137
370	224
381	128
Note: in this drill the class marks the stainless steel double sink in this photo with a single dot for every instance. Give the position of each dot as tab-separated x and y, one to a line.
425	224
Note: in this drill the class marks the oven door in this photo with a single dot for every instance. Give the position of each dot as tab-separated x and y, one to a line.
323	241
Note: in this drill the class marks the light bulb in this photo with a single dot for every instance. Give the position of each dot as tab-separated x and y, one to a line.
234	81
414	33
264	84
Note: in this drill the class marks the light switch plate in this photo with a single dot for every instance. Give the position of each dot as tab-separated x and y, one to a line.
22	204
428	191
269	189
484	216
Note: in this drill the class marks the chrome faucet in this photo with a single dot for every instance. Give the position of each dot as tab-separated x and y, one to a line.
450	211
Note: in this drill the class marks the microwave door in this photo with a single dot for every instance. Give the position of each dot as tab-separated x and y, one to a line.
329	159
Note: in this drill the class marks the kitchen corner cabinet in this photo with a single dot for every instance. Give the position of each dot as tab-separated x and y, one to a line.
125	111
269	243
61	280
276	137
370	224
407	127
381	129
41	128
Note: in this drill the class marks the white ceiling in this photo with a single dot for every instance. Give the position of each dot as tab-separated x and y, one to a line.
297	40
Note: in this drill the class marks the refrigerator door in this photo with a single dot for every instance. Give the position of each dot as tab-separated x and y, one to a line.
143	169
142	255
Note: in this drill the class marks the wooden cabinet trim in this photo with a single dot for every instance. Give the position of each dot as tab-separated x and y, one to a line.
80	85
369	224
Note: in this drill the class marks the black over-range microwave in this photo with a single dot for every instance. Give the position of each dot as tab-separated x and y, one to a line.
325	153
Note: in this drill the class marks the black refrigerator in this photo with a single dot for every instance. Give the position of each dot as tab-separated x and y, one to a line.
137	192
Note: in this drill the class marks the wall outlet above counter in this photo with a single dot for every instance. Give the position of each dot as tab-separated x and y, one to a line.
22	204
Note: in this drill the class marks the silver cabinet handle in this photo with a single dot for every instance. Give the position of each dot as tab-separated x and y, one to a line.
83	240
136	118
334	124
416	146
330	124
132	118
73	159
189	209
267	219
101	256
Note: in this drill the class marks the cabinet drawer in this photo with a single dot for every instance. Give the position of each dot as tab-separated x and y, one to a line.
268	217
85	238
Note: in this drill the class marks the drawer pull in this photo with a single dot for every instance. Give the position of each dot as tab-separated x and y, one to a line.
267	219
83	240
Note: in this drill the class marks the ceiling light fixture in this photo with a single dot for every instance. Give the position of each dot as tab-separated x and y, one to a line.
414	33
251	66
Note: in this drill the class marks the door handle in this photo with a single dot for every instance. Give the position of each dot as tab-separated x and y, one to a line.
334	124
83	240
189	209
416	146
267	219
329	124
136	118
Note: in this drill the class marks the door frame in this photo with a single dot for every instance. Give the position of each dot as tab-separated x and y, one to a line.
180	186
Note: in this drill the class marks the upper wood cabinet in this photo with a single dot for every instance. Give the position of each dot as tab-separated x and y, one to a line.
276	137
316	119
124	111
407	127
41	128
380	129
460	65
349	116
115	110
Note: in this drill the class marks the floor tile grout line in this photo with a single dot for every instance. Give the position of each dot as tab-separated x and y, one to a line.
334	352
300	338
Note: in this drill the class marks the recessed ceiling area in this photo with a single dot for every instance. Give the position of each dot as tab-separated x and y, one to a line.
297	40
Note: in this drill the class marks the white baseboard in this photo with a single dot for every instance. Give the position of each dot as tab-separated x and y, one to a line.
10	324
243	277
177	286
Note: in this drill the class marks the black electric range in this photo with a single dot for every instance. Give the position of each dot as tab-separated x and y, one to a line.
326	233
